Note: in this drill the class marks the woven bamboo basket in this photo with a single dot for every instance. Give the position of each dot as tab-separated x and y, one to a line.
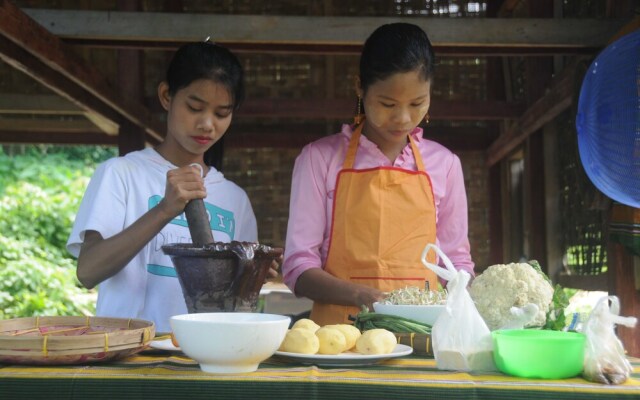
71	340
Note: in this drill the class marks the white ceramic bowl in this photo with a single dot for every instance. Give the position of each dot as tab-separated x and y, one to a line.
229	342
427	314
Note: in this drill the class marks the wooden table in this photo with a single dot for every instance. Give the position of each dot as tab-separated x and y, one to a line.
163	375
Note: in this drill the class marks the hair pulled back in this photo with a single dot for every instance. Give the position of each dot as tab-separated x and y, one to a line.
207	60
395	48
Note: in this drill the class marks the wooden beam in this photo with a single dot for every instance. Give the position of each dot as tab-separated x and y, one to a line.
555	101
38	125
546	108
349	50
37	104
329	34
282	108
32	49
21	130
456	139
590	283
17	57
20	59
105	124
16	104
79	138
343	109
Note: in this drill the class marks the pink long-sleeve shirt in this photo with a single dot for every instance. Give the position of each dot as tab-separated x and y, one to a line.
314	181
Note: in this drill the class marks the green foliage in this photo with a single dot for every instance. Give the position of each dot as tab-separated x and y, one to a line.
38	280
40	191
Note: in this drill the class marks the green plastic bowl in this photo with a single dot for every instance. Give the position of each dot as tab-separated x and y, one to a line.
532	353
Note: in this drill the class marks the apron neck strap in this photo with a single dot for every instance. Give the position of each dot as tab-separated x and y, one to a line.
350	158
416	154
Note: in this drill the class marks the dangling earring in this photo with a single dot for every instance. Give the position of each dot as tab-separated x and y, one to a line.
359	117
426	119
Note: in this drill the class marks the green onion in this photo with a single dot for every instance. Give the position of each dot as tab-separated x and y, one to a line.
366	320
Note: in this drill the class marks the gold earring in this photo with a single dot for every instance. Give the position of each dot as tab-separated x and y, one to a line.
359	117
426	118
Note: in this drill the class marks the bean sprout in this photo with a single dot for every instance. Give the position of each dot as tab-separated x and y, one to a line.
412	295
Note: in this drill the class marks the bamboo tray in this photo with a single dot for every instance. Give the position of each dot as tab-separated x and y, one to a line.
71	340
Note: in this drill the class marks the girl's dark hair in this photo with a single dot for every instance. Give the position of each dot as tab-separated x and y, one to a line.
207	60
393	48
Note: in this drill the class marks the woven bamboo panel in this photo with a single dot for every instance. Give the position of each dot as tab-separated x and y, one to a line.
443	8
584	209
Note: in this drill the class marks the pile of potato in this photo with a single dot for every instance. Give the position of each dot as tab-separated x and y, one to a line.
307	337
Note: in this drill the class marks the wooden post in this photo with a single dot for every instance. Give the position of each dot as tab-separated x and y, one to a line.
539	71
496	250
130	82
624	266
622	279
624	270
553	217
496	90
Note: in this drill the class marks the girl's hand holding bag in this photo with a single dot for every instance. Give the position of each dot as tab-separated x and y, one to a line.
461	339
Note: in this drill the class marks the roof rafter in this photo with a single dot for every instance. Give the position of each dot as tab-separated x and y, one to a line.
30	48
558	98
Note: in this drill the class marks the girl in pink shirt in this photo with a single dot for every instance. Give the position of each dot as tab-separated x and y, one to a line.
365	201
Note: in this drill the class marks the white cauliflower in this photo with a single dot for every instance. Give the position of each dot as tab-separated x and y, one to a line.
501	287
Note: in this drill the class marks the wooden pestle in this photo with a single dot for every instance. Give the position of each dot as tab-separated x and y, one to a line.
198	220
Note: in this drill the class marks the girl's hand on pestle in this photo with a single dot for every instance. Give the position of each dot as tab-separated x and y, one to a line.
273	269
183	184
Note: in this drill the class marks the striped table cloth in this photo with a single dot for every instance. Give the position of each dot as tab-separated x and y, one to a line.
174	376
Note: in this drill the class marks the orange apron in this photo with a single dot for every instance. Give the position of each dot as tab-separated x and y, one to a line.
382	219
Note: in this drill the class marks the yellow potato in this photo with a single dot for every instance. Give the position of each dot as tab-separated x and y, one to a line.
376	341
306	323
332	341
350	332
300	341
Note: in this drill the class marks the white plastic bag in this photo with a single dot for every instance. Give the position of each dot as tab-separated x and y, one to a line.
461	339
604	359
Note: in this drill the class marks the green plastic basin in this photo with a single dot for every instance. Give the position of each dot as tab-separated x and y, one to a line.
543	354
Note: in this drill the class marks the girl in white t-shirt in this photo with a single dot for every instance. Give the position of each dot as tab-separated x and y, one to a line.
134	204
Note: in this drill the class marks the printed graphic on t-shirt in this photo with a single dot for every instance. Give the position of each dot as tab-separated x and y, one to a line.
220	220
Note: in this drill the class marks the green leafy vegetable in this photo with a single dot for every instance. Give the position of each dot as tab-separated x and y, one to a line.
556	319
536	265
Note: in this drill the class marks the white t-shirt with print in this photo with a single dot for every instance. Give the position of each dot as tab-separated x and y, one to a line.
123	189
